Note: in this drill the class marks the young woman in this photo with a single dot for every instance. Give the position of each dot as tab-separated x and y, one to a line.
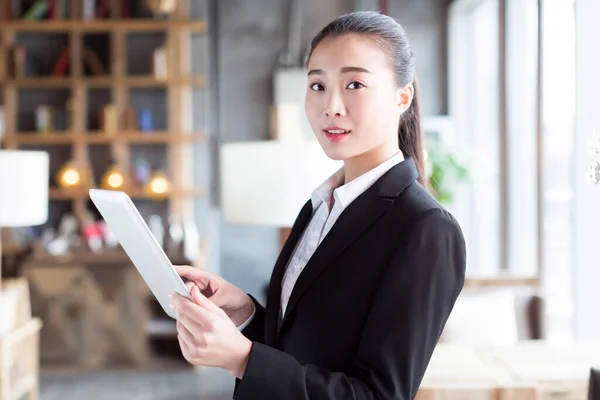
363	286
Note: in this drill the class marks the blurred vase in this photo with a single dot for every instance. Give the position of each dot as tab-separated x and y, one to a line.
161	7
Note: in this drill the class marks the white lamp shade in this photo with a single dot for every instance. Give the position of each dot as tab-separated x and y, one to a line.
24	177
268	182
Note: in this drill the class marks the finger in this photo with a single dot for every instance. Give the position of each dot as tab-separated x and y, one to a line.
203	279
186	350
185	308
194	331
189	286
202	301
185	329
193	273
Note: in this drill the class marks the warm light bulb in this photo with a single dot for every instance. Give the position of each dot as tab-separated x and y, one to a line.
159	185
115	180
70	177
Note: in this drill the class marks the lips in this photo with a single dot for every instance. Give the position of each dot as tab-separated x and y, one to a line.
336	133
336	130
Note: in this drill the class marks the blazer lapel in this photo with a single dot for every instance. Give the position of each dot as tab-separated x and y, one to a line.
353	221
274	293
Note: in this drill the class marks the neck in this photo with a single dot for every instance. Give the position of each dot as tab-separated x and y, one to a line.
363	163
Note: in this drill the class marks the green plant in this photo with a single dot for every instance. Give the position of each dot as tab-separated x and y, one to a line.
445	170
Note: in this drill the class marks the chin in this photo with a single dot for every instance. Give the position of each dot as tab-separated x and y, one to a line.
336	151
337	154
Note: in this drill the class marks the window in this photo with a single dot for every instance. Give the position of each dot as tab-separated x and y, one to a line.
474	107
512	91
557	157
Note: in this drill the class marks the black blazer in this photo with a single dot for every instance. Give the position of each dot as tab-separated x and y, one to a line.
369	307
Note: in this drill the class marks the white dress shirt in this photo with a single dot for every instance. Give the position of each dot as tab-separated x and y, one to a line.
328	200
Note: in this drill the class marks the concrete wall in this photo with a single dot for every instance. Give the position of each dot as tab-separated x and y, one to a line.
425	22
252	33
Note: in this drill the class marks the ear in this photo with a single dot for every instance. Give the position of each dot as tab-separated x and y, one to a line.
404	97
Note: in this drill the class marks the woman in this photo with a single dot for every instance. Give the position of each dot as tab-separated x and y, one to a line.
363	286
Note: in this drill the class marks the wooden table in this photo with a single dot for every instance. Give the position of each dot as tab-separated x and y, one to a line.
527	370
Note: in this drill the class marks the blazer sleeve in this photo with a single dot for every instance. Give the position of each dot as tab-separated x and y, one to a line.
255	330
416	293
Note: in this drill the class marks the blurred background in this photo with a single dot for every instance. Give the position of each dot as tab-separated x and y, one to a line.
195	108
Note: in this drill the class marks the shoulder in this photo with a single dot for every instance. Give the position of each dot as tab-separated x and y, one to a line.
430	240
417	207
424	229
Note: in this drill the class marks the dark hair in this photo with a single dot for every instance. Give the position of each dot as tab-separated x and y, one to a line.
391	37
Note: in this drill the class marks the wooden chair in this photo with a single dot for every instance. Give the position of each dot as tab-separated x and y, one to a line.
19	349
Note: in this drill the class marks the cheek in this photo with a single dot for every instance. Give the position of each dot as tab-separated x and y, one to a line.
371	116
311	106
363	109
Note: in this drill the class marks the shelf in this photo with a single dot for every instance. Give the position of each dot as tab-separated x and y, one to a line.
134	193
104	81
44	138
151	81
65	194
82	255
41	81
104	25
150	137
56	138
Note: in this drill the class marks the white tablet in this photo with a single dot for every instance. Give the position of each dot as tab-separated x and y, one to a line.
139	243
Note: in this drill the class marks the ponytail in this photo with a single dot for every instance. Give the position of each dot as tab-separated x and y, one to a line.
410	135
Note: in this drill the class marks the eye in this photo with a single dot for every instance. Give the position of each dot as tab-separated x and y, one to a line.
355	85
317	87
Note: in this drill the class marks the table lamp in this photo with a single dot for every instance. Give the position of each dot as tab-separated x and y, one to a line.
24	177
267	182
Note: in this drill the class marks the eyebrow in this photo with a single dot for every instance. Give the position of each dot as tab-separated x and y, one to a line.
343	70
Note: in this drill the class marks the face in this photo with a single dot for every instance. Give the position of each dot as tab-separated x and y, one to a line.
353	102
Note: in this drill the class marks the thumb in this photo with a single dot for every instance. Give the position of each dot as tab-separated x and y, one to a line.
202	301
195	293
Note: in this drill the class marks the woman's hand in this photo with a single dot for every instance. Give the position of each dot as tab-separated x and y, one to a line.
207	336
237	305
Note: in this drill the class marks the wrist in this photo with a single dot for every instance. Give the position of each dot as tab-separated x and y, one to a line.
241	357
244	312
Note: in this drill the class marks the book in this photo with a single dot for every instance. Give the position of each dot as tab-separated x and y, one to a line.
109	120
88	11
37	11
44	118
62	62
159	63
93	62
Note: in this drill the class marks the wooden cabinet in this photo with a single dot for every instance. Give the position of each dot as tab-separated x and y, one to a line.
97	310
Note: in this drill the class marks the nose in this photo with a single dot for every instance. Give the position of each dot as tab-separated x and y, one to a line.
335	105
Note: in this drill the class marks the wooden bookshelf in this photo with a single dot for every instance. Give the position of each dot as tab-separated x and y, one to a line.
177	137
144	137
82	137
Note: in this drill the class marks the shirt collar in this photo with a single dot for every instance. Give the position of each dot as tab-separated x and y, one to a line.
346	194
